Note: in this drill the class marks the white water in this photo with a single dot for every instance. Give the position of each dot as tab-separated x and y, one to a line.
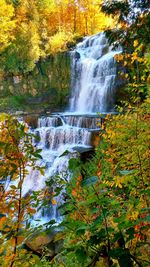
94	76
54	140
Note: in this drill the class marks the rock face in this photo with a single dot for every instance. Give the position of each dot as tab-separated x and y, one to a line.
87	155
46	87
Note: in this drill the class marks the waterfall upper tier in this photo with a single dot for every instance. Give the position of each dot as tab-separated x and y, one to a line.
94	75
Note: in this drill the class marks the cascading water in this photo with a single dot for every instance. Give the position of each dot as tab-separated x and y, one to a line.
94	76
54	140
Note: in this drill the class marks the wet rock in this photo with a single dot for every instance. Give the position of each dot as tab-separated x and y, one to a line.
49	241
82	149
87	43
58	122
95	138
39	241
95	72
87	155
32	121
105	50
77	55
37	138
79	39
20	112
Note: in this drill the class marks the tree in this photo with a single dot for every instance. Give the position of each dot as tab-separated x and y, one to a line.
133	22
16	209
18	60
8	24
24	50
132	34
27	37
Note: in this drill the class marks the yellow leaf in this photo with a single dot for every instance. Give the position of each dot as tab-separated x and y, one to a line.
135	44
20	239
31	210
54	201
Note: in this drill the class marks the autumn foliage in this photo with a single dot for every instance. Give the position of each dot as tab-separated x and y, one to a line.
18	156
107	207
34	29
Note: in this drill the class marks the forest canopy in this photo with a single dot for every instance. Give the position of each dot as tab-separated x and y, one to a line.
34	29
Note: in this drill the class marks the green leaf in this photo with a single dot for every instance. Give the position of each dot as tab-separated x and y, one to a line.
127	172
2	144
51	222
81	255
81	230
147	218
116	253
73	164
38	151
98	237
89	181
130	232
37	155
66	152
117	236
42	172
98	220
36	258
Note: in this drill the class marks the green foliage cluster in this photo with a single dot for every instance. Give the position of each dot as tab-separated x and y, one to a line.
106	210
107	200
132	34
28	34
18	156
133	22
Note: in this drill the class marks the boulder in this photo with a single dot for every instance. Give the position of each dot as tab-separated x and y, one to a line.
49	241
32	121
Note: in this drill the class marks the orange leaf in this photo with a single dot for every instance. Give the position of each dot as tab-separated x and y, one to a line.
54	201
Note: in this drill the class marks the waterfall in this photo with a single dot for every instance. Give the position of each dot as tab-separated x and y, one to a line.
94	80
56	135
94	75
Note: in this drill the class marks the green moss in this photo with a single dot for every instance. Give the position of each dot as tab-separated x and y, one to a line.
47	86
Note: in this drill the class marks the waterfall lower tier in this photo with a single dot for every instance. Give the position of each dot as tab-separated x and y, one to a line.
56	134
